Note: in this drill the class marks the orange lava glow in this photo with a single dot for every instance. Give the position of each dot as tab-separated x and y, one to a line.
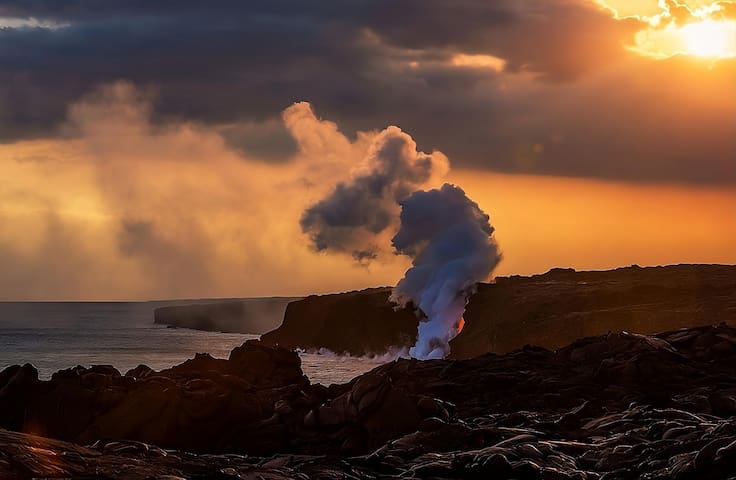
460	325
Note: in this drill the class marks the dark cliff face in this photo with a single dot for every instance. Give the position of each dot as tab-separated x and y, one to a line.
554	309
356	323
550	310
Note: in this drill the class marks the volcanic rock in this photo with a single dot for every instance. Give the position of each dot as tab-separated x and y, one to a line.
203	404
355	323
561	306
596	409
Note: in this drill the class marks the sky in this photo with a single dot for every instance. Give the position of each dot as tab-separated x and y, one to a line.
168	149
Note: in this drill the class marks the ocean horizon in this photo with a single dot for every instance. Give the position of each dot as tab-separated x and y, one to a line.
54	336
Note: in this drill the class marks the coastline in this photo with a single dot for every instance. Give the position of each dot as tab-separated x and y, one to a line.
620	405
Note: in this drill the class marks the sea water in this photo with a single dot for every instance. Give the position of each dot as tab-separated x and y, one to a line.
58	335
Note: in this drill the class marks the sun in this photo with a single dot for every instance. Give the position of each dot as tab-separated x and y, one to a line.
704	38
710	38
695	28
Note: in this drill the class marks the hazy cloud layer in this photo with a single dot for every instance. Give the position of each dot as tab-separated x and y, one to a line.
124	207
563	95
129	209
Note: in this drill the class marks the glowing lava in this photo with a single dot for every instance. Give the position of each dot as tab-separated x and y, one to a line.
460	325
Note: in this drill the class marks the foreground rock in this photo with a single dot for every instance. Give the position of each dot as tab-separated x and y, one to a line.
255	315
354	323
204	404
618	406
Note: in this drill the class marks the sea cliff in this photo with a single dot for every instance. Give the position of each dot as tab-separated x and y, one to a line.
548	310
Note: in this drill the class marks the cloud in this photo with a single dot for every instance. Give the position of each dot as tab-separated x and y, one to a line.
243	62
556	40
124	208
121	206
532	86
726	10
353	216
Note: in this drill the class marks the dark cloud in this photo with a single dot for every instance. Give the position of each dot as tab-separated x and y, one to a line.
269	141
558	40
235	60
556	108
208	67
353	215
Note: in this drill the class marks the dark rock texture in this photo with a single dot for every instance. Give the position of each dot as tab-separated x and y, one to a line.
618	406
255	315
204	404
356	323
556	308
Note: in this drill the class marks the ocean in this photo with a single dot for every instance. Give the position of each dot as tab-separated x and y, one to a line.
57	335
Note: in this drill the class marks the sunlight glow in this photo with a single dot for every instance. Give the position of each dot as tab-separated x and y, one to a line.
714	39
710	38
695	28
12	22
479	61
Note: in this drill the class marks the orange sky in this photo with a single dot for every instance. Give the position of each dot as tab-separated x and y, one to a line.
545	222
129	211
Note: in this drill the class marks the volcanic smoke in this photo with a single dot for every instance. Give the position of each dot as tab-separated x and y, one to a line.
352	218
446	234
450	240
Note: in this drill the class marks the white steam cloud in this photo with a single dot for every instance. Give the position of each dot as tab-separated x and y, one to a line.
447	235
450	240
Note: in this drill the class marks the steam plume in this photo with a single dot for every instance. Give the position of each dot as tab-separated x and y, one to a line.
351	219
448	237
450	241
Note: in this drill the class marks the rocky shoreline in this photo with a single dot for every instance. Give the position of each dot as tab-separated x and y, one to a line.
616	406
